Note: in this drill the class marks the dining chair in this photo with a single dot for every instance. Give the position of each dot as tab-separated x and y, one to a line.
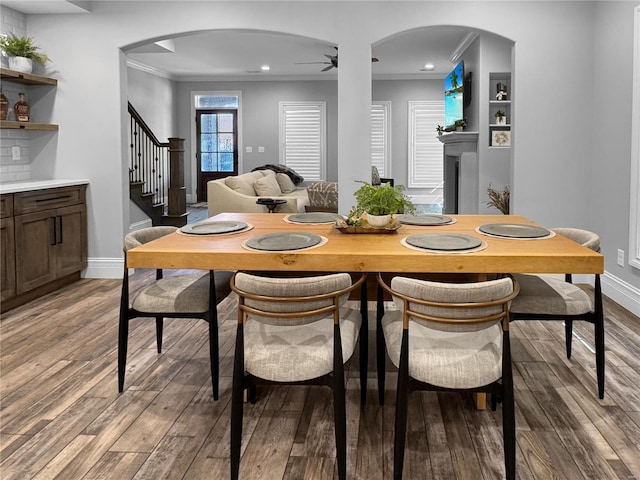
294	331
191	295
450	337
547	297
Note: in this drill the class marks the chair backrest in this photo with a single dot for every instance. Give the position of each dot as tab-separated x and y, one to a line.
144	235
583	237
292	301
453	306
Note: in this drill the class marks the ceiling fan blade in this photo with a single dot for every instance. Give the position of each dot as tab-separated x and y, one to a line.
327	68
374	60
312	63
330	57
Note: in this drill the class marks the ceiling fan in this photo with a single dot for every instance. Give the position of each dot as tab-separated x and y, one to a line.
332	63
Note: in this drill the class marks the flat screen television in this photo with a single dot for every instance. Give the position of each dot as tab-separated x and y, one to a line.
454	96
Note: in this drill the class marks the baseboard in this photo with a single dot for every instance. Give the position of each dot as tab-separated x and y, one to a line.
104	268
140	225
621	292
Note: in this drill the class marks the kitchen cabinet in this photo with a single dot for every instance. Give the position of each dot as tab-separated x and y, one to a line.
49	240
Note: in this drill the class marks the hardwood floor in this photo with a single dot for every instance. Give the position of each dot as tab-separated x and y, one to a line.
62	417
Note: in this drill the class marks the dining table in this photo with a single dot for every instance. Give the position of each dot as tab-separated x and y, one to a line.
247	246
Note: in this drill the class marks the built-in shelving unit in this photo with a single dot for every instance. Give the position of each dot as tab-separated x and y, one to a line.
500	100
27	79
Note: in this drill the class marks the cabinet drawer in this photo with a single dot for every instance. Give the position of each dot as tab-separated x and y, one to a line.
6	205
38	200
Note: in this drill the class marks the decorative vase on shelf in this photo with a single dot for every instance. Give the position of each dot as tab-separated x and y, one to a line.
21	109
21	64
501	120
4	105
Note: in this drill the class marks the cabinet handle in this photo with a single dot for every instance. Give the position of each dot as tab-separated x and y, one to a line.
60	228
55	199
54	231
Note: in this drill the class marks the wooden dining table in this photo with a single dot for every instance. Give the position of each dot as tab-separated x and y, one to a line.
380	252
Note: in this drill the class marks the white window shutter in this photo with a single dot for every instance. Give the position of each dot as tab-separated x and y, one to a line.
425	150
380	137
303	138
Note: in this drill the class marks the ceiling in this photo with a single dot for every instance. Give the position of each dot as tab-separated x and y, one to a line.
237	54
240	54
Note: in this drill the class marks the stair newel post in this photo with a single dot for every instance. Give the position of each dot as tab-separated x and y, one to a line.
177	190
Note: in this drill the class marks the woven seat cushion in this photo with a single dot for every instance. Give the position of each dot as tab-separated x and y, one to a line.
297	352
144	235
444	358
583	237
548	295
181	293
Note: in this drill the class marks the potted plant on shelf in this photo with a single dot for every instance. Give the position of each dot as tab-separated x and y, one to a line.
380	202
459	125
501	118
440	130
22	52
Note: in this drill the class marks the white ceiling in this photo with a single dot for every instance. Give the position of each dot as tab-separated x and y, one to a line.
240	54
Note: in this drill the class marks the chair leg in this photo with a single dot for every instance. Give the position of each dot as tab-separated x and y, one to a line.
123	331
568	335
599	336
237	400
364	343
380	346
159	328
339	406
402	395
508	411
214	355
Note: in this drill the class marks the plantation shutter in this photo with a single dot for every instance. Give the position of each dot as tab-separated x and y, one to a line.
380	140
303	138
425	150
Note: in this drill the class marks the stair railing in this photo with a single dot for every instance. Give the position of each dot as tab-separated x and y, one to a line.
149	159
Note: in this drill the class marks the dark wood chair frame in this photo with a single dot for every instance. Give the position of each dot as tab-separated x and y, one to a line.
127	313
335	380
596	317
502	388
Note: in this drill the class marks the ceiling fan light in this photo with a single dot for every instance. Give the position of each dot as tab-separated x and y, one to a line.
265	68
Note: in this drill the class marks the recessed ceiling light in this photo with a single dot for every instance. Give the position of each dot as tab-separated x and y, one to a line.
265	68
428	67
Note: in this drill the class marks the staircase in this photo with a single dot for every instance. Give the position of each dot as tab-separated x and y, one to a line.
156	174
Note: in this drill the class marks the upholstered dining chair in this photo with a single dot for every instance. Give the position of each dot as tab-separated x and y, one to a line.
450	337
192	295
294	331
546	297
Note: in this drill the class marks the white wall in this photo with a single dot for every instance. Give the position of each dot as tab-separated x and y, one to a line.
555	160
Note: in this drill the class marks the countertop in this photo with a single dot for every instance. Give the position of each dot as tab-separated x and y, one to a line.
29	185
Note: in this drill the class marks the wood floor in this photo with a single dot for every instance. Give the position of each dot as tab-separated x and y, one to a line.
62	417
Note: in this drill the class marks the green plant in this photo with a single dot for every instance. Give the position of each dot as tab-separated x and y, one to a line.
499	200
460	124
383	199
440	129
499	114
15	46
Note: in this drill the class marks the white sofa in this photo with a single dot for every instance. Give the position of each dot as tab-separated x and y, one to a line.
240	193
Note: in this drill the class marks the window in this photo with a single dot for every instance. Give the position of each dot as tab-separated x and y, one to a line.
303	138
425	150
380	138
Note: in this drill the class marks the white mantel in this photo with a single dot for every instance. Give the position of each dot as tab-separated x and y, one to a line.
461	172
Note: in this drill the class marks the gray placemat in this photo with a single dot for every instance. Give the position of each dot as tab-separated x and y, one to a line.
425	219
283	241
313	217
444	242
514	230
212	228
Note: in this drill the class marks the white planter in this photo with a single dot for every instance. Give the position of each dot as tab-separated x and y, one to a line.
21	64
378	220
501	120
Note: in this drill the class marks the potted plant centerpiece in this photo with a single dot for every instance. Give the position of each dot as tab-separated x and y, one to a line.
380	202
22	52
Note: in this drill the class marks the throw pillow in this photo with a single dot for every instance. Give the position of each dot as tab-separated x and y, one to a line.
286	185
267	186
240	185
293	175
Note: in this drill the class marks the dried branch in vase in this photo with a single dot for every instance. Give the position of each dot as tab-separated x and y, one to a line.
499	200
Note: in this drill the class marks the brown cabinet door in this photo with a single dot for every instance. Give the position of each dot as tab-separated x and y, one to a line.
7	254
71	242
35	262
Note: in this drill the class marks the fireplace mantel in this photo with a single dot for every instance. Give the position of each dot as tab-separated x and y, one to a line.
461	172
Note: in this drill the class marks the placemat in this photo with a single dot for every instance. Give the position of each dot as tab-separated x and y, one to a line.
215	228
444	243
312	218
284	242
514	231
427	219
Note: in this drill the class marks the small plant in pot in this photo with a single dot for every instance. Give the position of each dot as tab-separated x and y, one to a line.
459	125
22	52
501	118
380	202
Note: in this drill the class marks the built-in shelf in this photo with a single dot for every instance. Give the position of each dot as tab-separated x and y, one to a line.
26	78
11	125
499	133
